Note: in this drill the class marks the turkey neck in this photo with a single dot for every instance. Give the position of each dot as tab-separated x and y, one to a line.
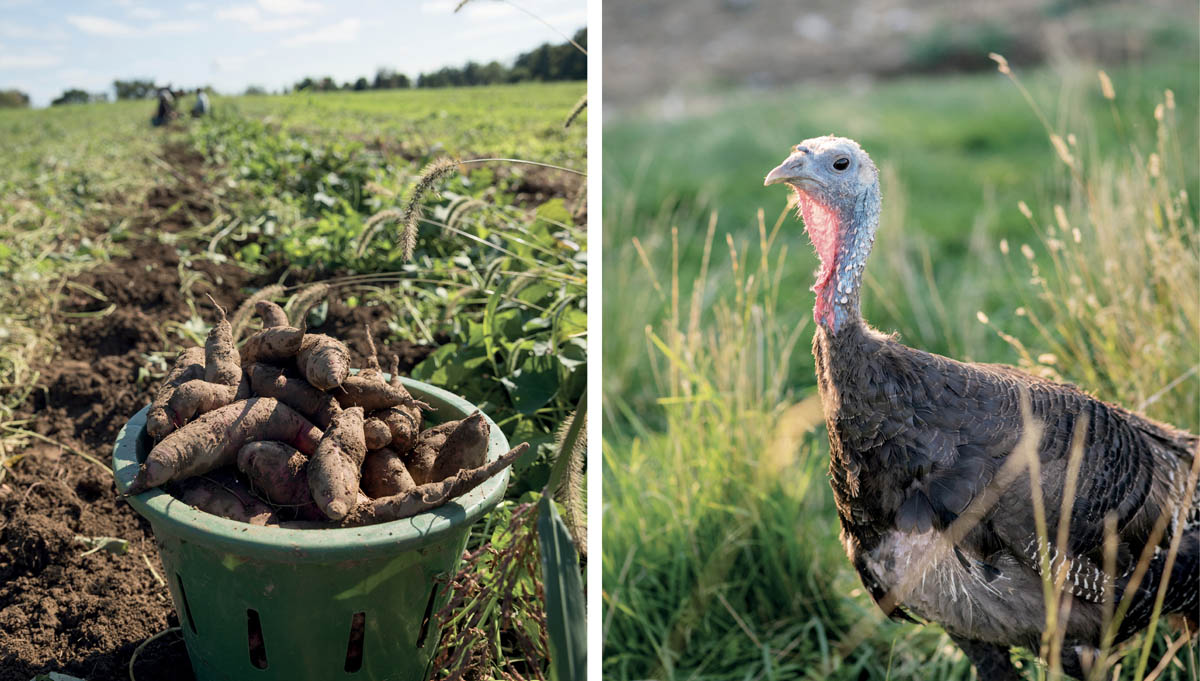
843	234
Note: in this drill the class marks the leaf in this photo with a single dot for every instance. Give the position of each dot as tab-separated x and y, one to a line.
566	611
533	384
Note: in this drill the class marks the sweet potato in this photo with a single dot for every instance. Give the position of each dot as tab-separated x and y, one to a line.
200	397
316	406
465	448
221	363
429	496
189	365
384	474
213	440
271	314
276	471
376	433
335	468
226	497
372	394
274	344
404	422
421	458
324	361
372	371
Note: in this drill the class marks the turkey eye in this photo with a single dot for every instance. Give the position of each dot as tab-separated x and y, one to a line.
841	164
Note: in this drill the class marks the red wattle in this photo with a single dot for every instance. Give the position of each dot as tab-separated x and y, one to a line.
822	226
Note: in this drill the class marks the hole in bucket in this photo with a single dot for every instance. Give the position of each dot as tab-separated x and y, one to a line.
258	649
354	650
187	609
428	615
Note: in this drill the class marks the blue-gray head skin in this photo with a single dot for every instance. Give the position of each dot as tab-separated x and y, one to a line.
837	187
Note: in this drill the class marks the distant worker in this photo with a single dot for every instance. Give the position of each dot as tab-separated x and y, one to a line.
202	106
166	107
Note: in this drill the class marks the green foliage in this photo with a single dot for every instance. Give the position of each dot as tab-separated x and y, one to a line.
135	88
499	287
13	99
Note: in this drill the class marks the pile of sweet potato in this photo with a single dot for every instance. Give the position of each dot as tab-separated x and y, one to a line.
280	432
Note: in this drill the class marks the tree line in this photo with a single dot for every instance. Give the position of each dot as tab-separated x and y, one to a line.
544	63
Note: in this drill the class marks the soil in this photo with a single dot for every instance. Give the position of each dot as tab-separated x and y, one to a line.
61	610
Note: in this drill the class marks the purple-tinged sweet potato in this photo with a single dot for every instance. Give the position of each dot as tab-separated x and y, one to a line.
384	474
421	459
271	314
221	363
189	366
213	440
431	495
324	361
276	471
316	406
376	433
273	344
335	468
465	448
225	496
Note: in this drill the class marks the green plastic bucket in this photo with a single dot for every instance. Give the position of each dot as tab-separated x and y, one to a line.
348	603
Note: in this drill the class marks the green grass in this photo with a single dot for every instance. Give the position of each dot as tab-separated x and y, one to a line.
720	552
524	120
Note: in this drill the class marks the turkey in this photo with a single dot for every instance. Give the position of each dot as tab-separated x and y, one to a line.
916	438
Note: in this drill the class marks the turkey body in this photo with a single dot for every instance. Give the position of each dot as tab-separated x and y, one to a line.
916	437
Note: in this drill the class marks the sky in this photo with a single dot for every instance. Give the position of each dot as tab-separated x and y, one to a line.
47	47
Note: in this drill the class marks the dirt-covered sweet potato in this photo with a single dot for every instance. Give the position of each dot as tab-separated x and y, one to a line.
277	472
421	458
273	344
465	448
189	366
384	474
225	496
269	381
376	433
200	397
271	314
334	470
324	361
213	440
431	495
221	362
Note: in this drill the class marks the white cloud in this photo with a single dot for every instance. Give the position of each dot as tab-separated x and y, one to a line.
18	62
438	6
145	13
194	6
100	26
256	21
290	6
175	27
343	31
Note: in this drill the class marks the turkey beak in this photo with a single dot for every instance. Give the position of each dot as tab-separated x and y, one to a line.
790	170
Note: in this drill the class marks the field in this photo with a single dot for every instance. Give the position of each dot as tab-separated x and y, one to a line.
721	557
113	235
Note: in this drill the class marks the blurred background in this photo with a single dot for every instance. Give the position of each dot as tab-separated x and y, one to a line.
1038	215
